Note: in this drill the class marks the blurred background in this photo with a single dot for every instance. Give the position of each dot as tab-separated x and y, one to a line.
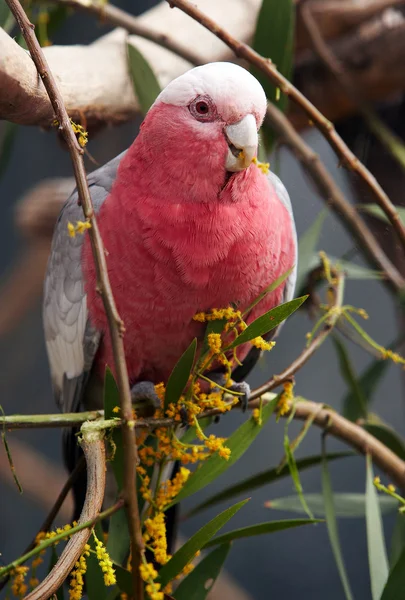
296	563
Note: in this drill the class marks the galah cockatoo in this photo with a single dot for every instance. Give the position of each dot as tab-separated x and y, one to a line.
189	224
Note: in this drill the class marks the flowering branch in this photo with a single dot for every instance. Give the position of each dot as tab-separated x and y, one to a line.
324	125
116	326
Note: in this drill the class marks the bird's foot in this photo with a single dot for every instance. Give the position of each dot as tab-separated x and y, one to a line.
144	398
242	388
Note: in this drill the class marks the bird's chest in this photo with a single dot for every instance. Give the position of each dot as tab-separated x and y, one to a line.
164	272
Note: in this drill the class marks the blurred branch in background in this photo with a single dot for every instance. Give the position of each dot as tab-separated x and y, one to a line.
371	42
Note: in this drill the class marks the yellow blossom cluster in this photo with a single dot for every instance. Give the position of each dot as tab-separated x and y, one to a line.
79	228
216	444
170	488
105	562
215	342
18	586
261	343
149	574
264	167
284	404
76	580
155	537
216	314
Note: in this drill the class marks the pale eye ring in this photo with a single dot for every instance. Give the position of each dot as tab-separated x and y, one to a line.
203	109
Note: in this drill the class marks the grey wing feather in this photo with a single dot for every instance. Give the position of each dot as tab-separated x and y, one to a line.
71	340
241	372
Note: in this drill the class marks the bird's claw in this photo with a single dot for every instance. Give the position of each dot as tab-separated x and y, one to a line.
144	398
240	387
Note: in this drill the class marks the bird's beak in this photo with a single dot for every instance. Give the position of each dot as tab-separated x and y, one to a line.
242	143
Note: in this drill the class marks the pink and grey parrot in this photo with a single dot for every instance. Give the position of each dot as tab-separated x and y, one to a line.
189	224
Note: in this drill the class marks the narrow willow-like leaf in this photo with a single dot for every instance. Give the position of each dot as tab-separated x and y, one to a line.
145	83
367	382
274	38
6	144
179	376
398	539
358	407
270	288
215	465
388	437
331	524
187	552
198	584
376	211
377	554
270	320
292	465
264	478
346	505
118	538
351	270
260	529
395	586
306	249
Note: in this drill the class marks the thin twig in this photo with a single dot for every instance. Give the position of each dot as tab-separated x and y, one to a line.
324	125
116	325
327	187
114	15
94	452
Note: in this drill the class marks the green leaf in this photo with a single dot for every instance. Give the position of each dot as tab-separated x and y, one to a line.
95	588
270	288
331	523
270	320
377	554
351	270
292	466
215	465
118	537
368	384
274	38
124	579
198	584
388	437
358	404
394	588
398	539
306	249
179	376
7	142
145	83
262	479
187	552
346	505
376	211
260	529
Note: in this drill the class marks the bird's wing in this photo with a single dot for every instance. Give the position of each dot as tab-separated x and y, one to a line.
241	372
71	340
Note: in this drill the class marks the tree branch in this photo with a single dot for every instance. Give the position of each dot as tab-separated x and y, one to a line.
325	127
116	326
94	452
334	197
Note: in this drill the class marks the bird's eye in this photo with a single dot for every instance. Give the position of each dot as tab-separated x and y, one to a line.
203	109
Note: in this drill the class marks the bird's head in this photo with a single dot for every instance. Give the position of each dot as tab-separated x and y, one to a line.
205	124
